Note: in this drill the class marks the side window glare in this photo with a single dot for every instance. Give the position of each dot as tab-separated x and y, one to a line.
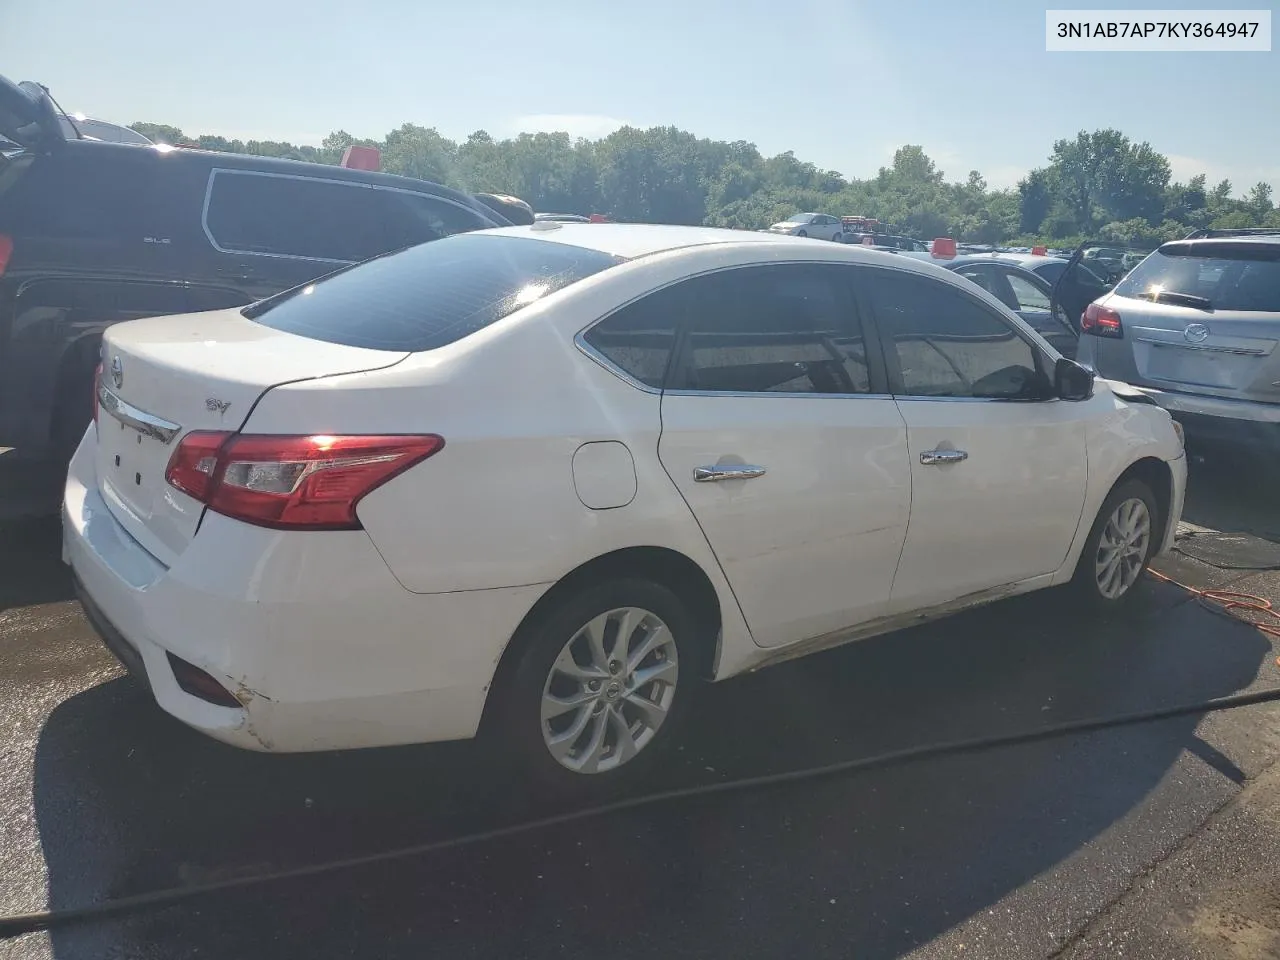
948	345
782	328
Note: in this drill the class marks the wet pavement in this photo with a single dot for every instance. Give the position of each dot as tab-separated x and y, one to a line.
1015	852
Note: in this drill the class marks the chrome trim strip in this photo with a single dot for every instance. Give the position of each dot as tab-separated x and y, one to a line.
130	416
1184	345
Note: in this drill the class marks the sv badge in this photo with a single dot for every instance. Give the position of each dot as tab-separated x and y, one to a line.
213	403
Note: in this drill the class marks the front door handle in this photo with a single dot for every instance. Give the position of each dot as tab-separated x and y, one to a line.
726	471
943	456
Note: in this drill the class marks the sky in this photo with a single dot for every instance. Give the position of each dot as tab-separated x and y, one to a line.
842	83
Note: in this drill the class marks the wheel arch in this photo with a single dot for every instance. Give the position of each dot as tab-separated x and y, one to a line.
1158	477
670	568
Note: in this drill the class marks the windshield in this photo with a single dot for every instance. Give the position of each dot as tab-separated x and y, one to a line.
1240	278
429	295
799	218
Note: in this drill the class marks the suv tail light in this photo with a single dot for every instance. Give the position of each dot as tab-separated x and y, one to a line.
288	482
1101	322
6	251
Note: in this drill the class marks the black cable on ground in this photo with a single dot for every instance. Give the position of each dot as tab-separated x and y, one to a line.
17	925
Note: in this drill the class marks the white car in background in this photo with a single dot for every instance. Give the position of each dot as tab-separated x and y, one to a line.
541	481
821	226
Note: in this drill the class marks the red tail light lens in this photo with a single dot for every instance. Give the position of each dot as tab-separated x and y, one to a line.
6	251
1101	322
293	483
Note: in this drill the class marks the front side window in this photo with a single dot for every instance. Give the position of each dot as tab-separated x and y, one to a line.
947	344
1028	296
782	328
294	217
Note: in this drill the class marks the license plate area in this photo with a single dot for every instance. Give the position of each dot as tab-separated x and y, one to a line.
1205	368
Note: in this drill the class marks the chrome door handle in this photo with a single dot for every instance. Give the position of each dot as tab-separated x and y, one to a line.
943	456
726	471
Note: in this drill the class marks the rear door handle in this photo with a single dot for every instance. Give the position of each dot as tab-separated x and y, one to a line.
943	456
726	471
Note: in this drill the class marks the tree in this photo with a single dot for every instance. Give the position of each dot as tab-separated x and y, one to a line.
1097	183
159	132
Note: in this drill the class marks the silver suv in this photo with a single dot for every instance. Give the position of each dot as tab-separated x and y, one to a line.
1195	326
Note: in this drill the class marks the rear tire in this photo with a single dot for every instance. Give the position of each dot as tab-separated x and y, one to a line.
582	715
1119	547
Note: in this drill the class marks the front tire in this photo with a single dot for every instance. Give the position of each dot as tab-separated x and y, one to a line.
802	233
1119	547
601	687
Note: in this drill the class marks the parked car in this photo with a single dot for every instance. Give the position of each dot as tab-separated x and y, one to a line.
475	486
81	127
92	233
1023	292
819	225
1195	326
512	209
562	217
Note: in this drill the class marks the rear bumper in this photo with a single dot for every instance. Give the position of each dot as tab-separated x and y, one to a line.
323	648
1219	420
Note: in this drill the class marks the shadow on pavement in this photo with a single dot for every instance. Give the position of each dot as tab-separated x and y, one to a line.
127	800
31	568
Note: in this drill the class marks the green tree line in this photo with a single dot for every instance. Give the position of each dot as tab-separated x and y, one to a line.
1098	185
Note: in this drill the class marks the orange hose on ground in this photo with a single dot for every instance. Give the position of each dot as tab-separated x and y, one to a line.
1228	602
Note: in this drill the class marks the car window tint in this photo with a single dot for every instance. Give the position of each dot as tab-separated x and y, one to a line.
410	218
949	345
294	216
784	328
1029	296
1231	276
431	294
116	196
639	337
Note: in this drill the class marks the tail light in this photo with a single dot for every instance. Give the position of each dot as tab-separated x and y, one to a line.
97	384
6	251
291	483
1101	322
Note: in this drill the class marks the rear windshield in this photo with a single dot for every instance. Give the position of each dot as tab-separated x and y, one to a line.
429	295
1222	277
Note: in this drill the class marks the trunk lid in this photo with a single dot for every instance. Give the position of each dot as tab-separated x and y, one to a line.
27	116
1224	353
163	377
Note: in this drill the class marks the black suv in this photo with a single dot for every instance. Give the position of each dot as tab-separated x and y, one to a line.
93	233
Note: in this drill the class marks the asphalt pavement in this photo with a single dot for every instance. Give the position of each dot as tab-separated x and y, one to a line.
1028	851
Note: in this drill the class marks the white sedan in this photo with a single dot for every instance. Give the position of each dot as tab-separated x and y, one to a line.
821	226
538	482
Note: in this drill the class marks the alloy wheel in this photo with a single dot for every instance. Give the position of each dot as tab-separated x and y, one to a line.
609	690
1122	548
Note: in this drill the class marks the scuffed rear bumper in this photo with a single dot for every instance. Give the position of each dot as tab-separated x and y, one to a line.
320	644
1244	423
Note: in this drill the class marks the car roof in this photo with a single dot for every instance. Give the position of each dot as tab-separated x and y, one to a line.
632	240
281	165
1233	240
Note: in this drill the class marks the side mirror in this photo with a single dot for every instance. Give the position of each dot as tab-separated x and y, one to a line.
1072	381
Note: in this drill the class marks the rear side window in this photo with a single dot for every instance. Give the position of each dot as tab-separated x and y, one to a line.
639	337
294	216
410	218
782	328
429	295
1224	276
